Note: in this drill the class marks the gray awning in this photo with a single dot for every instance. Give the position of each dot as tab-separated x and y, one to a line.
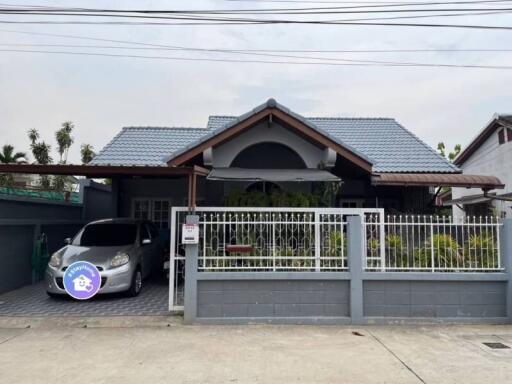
244	174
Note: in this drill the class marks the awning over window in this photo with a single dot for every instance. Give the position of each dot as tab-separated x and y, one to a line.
437	180
244	174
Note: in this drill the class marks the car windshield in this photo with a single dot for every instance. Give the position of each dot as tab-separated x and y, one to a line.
106	235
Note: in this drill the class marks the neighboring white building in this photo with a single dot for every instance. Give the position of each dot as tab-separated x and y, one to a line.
489	153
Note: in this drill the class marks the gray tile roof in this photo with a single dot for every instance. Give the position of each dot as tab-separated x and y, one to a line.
146	145
382	141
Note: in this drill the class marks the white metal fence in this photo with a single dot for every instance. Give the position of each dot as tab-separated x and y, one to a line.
315	240
263	240
432	244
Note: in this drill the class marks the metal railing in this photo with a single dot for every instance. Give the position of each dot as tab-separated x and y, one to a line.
432	244
266	240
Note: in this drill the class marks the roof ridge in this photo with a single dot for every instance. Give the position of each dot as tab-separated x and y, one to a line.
110	143
319	117
432	150
167	128
348	118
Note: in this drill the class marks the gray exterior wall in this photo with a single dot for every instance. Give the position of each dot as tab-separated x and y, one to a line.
26	208
95	203
272	298
17	240
435	299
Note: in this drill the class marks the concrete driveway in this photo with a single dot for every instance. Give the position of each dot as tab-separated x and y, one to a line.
161	350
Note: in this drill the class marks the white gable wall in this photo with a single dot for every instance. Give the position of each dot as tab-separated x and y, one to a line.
224	154
491	159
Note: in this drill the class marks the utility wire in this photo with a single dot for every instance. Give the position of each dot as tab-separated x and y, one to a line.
447	50
166	46
270	22
345	62
215	11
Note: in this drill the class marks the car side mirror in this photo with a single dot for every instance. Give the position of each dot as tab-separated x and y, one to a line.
146	241
67	240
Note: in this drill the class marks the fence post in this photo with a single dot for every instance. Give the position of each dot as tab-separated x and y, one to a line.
355	262
317	242
506	260
37	233
191	256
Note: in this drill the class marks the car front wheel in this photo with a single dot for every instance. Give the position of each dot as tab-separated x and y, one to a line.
136	285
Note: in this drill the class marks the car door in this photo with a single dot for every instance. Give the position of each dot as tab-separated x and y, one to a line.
147	249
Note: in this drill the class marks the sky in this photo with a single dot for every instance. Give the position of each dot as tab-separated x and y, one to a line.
100	94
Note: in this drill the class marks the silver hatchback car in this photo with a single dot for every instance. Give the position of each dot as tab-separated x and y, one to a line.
124	251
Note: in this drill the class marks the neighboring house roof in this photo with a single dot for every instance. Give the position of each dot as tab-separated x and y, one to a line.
497	121
383	142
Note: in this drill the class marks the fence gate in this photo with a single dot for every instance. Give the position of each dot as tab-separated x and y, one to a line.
275	240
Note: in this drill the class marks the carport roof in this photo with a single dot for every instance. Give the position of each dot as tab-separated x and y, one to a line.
102	171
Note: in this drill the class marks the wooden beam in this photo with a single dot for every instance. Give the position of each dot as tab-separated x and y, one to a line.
100	171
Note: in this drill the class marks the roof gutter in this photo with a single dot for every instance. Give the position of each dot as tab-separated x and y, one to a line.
437	180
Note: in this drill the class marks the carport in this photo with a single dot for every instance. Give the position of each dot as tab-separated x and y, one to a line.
31	299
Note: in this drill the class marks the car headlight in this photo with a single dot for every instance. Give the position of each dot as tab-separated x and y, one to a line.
120	259
55	260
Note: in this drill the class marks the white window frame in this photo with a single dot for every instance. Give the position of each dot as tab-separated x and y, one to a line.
151	204
358	202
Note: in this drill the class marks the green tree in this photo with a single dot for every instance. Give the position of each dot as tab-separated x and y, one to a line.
451	155
8	156
64	140
87	153
41	152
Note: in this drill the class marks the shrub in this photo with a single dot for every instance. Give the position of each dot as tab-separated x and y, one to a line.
479	252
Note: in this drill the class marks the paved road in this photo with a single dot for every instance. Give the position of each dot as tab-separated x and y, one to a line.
161	350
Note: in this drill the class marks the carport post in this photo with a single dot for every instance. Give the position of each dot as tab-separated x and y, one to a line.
191	255
506	257
355	264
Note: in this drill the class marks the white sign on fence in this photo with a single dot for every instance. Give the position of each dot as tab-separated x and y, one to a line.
190	234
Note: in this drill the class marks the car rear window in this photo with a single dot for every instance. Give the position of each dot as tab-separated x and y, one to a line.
106	235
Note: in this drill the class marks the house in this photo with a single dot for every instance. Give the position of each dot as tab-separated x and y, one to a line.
378	161
489	153
352	265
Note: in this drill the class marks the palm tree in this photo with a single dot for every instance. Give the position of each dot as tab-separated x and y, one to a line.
87	152
64	140
33	135
7	156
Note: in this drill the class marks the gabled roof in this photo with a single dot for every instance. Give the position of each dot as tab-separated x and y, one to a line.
273	111
383	142
496	122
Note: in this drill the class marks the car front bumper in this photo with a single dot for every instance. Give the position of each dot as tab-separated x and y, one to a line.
112	280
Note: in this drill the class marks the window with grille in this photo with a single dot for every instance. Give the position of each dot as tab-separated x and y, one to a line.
156	210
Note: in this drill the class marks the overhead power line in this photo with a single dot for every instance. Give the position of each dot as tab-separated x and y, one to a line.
341	62
268	10
222	50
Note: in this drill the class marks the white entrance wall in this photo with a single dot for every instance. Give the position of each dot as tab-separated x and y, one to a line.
223	155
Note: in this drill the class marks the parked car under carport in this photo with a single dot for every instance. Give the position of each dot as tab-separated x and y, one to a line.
125	252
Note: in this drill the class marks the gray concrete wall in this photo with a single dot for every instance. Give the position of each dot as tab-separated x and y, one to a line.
28	208
96	200
272	298
435	299
16	247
